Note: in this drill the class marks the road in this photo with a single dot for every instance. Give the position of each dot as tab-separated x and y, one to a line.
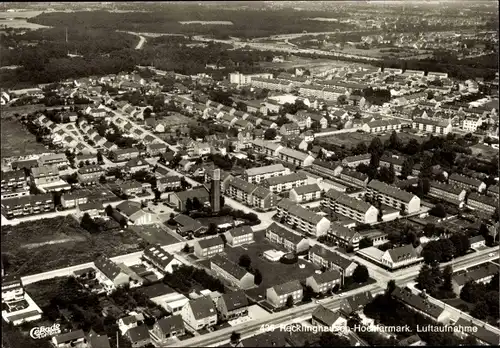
142	39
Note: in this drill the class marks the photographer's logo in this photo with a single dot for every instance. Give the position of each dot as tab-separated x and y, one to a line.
45	331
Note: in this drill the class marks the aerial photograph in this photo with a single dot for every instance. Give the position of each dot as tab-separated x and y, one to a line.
249	174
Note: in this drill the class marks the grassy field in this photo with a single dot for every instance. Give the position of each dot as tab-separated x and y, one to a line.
352	139
308	63
379	52
155	234
18	19
29	249
17	141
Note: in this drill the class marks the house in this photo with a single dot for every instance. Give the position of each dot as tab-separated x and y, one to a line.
208	247
344	236
86	159
290	241
354	161
432	126
156	149
239	236
69	339
476	242
393	197
325	282
466	182
168	183
326	168
278	295
350	207
421	305
232	305
399	257
413	340
90	174
134	214
319	119
120	155
265	147
481	273
73	199
187	225
396	162
97	341
295	157
380	126
139	336
93	209
302	218
325	317
178	199
449	193
57	159
493	190
305	193
135	165
27	205
482	335
263	199
354	178
110	275
12	288
258	174
355	303
168	327
160	259
233	273
331	260
44	175
286	182
289	129
131	188
200	313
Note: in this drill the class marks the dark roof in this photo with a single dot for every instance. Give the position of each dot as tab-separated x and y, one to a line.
91	206
69	336
128	207
465	180
489	200
362	157
391	191
285	233
327	276
331	256
356	302
210	242
302	190
138	333
200	192
242	185
354	174
156	290
99	341
325	316
447	187
235	300
392	160
348	201
228	266
170	324
267	339
241	231
297	210
107	267
475	273
480	333
417	302
287	288
402	253
202	307
159	256
282	179
409	341
13	174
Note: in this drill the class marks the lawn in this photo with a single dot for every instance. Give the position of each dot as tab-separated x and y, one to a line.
352	139
100	193
155	234
273	273
28	248
17	141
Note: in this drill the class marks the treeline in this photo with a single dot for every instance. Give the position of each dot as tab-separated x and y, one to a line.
167	18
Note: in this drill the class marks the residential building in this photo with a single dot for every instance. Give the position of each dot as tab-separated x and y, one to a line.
350	207
232	305
354	178
399	257
466	182
168	183
302	218
412	341
208	247
380	126
57	159
179	199
69	339
493	190
110	275
187	225
263	199
90	174
93	209
287	239
482	203
239	236
168	327
325	282
12	288
396	162
267	148
251	194
305	193
326	168
135	165
354	161
355	303
131	188
44	175
139	336
295	157
471	124
155	149
301	119
432	126
344	236
278	295
237	276
327	318
256	175
289	129
421	305
27	205
481	273
160	259
200	313
449	193
331	260
285	182
133	213
393	197
320	119
120	155
476	242
246	79
482	335
73	199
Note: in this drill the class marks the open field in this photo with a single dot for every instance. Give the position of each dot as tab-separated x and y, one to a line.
18	20
207	22
78	246
382	52
352	139
484	151
100	193
308	63
155	234
16	141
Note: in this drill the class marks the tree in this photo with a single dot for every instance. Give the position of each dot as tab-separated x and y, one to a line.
447	249
391	286
360	274
257	277
387	174
360	149
447	278
189	205
289	301
212	229
376	147
186	248
407	167
394	142
365	243
245	261
222	201
196	203
99	157
157	195
329	339
424	278
480	310
109	210
270	134
235	338
438	210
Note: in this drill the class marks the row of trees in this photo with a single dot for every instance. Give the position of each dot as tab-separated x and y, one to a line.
181	278
437	283
445	249
484	297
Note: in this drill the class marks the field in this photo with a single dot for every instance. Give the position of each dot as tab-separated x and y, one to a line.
17	141
18	20
315	64
352	139
99	193
485	151
379	52
26	249
155	235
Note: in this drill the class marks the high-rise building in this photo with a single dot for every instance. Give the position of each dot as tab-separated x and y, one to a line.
215	191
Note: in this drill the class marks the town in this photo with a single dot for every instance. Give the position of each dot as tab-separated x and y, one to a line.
321	205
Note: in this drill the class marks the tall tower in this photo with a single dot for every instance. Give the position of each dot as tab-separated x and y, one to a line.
215	191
